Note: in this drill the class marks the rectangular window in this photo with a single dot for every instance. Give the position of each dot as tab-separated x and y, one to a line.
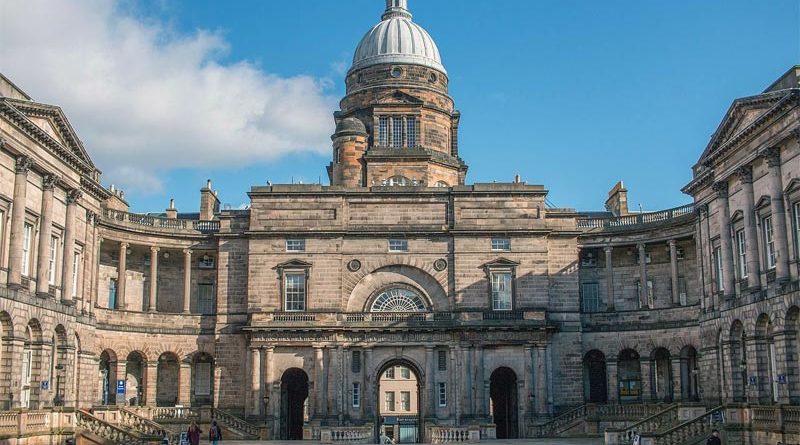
295	245
741	250
205	298
355	363
356	395
442	394
398	245
405	373
397	132
389	400
390	373
411	131
718	269
796	208
206	262
26	249
74	281
405	400
501	244
383	132
51	267
683	291
202	379
442	360
646	257
501	291
112	293
295	291
591	298
650	302
769	241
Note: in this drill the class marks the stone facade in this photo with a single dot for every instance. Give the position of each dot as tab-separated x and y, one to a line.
507	311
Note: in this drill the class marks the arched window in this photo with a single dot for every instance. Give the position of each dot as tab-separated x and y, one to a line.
398	300
397	181
441	184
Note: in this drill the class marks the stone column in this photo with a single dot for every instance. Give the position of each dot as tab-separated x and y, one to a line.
151	383
95	291
646	375
430	391
187	280
151	304
23	165
319	386
725	241
609	278
540	374
333	375
122	374
255	381
454	398
643	299
785	364
466	382
480	395
49	183
677	386
122	276
773	158
367	386
530	391
86	274
673	269
269	380
745	174
185	384
69	246
613	383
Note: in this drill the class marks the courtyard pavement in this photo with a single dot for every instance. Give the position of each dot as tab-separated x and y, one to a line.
577	441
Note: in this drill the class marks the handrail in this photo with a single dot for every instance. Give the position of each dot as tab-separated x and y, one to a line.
105	430
649	424
141	424
141	219
235	423
634	219
552	425
692	428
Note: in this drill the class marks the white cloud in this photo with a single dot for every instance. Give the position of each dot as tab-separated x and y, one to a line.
145	99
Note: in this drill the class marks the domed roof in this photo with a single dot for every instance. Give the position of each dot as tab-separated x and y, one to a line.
396	39
351	125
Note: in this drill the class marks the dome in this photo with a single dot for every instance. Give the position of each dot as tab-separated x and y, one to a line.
351	125
396	39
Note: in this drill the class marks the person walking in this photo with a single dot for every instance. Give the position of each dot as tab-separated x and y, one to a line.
714	439
193	434
215	433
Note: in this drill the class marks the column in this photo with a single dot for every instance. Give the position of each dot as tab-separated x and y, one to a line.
785	363
334	391
122	276
269	377
368	397
255	381
23	165
87	260
151	304
773	158
540	374
724	220
466	383
95	291
673	269
151	383
613	383
430	393
122	374
187	280
346	393
530	391
643	295
745	174
319	387
185	384
49	183
67	296
609	278
480	395
677	385
646	375
454	386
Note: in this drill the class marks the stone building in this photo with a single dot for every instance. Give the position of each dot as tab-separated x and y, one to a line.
512	318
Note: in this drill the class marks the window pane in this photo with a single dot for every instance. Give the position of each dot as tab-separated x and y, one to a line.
796	227
503	244
742	253
501	291
75	262
442	394
405	400
383	132
591	298
355	365
295	245
51	269
398	245
295	291
356	395
405	373
26	249
411	129
205	298
202	379
769	241
397	132
442	360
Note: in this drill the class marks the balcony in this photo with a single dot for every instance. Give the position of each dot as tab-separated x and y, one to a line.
639	220
147	223
283	320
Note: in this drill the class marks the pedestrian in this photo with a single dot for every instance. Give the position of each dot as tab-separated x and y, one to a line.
215	433
193	433
714	439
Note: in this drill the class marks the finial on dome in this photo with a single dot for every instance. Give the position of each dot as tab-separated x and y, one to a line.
396	8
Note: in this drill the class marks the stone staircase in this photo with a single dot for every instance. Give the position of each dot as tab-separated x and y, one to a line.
236	425
591	419
102	432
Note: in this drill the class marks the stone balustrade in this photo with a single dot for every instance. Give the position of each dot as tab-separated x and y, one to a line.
137	321
361	434
366	319
638	219
696	428
24	423
107	431
454	434
651	424
148	223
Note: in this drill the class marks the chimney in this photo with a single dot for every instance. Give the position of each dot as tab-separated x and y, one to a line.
617	202
209	203
172	212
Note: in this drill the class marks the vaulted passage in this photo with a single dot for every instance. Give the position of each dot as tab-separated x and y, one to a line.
294	393
503	393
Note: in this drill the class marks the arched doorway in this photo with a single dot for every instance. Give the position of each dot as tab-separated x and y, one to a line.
168	380
60	360
738	361
765	361
107	377
31	357
594	368
661	371
399	402
6	361
135	379
689	370
503	396
294	395
202	379
792	329
629	373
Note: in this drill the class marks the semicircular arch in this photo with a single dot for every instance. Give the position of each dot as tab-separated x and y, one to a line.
399	275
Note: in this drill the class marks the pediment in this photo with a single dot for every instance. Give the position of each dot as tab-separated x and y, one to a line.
793	186
398	97
500	262
737	215
762	202
293	264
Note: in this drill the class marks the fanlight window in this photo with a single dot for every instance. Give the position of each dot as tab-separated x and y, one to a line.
398	181
398	300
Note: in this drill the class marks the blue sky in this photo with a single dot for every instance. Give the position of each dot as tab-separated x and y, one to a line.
574	95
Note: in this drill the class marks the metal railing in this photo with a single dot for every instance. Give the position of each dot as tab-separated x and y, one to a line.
635	219
158	222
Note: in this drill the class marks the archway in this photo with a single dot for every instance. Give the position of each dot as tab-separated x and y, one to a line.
629	374
6	359
294	395
503	396
60	361
168	380
661	371
135	379
202	379
738	361
792	329
107	377
765	361
31	357
689	370
399	402
594	369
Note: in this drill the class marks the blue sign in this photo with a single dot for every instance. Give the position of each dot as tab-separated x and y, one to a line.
45	385
753	380
120	386
782	379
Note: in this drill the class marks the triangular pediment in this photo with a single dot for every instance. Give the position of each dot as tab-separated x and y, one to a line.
48	127
398	97
500	262
737	215
763	202
792	187
293	264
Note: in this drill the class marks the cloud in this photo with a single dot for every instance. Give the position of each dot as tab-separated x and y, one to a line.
145	99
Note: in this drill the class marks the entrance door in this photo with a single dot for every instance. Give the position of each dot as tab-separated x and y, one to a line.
294	392
503	393
595	365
